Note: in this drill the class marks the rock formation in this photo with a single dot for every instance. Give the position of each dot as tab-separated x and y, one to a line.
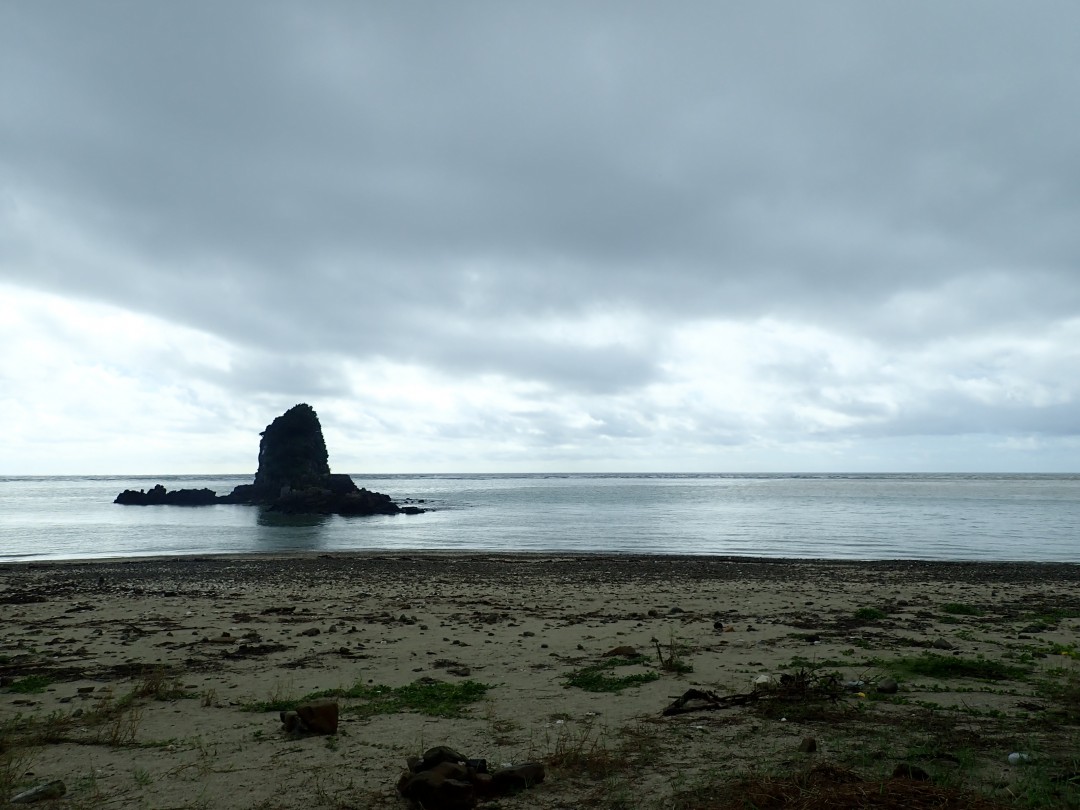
158	496
292	454
293	476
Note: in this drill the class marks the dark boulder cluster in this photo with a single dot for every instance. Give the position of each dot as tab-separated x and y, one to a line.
443	779
293	477
159	496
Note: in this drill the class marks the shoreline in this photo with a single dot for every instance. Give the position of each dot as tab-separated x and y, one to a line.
689	566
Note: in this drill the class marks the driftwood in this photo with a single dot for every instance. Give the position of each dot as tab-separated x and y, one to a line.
697	700
800	686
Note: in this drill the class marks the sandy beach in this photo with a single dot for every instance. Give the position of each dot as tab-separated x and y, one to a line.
157	683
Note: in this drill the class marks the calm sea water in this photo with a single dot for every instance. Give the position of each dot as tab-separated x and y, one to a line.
935	517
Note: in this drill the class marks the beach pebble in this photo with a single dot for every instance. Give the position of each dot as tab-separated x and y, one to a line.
1016	758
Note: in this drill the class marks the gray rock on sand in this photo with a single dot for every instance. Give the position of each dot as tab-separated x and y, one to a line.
41	793
887	686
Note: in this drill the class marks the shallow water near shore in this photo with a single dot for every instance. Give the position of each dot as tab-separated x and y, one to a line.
924	517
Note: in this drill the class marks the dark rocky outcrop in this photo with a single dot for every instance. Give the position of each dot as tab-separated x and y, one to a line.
292	456
293	477
159	496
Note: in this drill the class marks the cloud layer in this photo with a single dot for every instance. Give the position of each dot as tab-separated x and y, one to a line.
541	236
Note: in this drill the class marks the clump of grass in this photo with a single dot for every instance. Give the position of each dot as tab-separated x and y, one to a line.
585	751
591	751
961	609
426	696
30	685
602	678
17	752
673	660
932	665
1062	686
1048	619
1067	650
870	614
155	683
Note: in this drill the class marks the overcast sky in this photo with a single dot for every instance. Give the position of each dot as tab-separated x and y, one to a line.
539	236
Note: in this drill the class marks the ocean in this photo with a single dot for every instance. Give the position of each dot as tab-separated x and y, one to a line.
868	517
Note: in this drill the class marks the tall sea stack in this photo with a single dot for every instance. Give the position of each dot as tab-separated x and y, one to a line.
292	454
293	476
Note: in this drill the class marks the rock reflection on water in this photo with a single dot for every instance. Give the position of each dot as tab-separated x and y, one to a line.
282	532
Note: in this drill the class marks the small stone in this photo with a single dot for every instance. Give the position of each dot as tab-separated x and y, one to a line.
311	631
887	686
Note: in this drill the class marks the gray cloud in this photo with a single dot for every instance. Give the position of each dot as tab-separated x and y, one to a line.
357	181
